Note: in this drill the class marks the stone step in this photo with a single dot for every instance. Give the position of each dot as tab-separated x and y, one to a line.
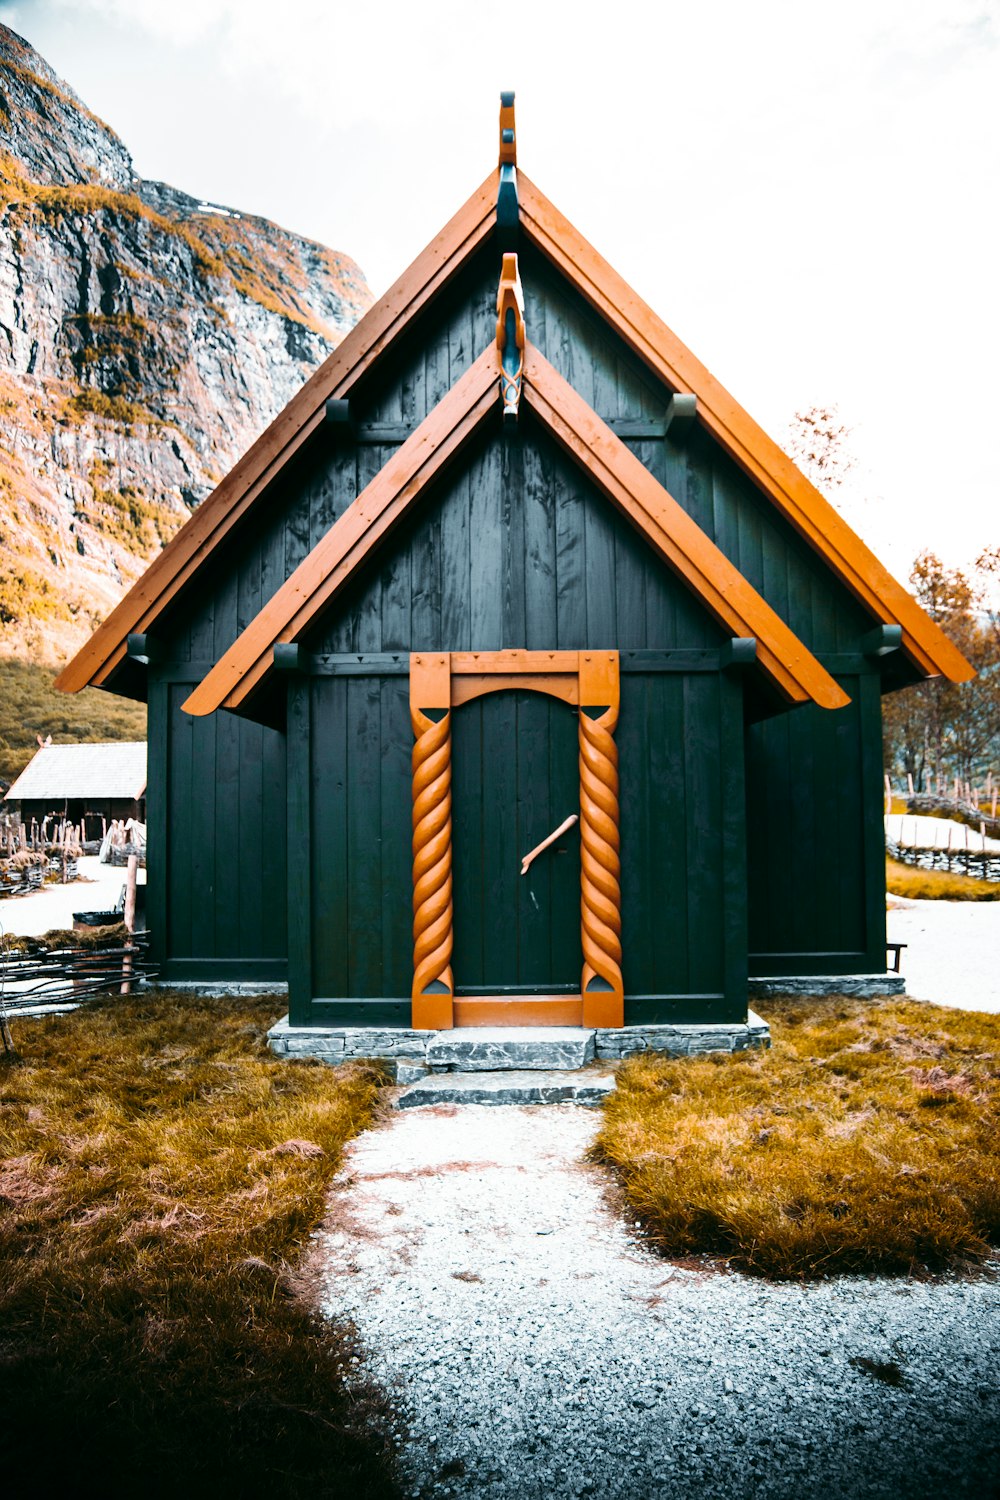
488	1049
587	1086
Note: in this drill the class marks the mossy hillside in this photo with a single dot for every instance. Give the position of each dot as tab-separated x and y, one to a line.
31	706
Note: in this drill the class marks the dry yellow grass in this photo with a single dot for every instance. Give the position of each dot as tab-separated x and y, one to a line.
864	1141
936	885
160	1173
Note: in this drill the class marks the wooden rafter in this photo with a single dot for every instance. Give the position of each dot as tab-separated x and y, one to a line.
365	523
680	542
291	429
758	455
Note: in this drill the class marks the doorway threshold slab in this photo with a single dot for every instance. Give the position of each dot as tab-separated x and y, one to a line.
484	1049
589	1087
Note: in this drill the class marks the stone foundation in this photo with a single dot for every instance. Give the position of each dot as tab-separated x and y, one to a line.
497	1048
868	986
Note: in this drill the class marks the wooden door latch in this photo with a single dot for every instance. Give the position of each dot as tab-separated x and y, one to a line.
556	833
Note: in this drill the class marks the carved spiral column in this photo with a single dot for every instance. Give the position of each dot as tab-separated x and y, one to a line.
433	985
600	871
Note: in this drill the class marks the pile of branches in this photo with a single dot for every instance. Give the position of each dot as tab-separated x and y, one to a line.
960	812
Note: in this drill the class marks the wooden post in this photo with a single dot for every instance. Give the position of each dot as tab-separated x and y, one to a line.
888	794
130	883
602	986
433	992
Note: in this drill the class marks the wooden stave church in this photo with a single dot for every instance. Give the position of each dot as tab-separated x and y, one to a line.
517	506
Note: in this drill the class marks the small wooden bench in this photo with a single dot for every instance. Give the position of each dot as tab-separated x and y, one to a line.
895	949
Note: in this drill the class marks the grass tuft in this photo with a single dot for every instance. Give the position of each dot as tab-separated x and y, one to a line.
936	885
863	1141
161	1172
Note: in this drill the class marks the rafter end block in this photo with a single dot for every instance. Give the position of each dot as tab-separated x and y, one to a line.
290	656
682	411
339	417
145	649
741	651
883	640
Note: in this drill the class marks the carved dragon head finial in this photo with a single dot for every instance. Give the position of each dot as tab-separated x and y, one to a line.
510	337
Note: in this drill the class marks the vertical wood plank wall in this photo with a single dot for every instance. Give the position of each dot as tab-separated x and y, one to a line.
217	900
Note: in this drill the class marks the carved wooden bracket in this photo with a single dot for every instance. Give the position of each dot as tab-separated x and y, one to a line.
439	682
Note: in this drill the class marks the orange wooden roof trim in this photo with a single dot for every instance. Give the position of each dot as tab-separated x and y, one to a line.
294	425
678	540
618	474
365	523
757	454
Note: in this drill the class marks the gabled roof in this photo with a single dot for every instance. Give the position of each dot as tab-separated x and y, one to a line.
244	669
645	333
116	770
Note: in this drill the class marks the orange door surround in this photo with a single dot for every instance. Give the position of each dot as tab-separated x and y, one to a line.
441	681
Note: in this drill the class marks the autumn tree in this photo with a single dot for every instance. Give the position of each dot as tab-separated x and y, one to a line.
817	441
940	729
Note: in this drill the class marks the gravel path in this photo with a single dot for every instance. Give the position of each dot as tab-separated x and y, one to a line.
538	1350
953	957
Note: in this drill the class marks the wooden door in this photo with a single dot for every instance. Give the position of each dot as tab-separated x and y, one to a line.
515	777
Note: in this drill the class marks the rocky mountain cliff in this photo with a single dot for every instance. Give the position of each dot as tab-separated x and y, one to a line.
146	339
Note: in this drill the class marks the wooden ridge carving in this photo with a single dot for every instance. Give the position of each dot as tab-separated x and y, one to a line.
508	136
510	338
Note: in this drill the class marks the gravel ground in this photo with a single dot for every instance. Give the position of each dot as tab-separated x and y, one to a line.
538	1349
953	956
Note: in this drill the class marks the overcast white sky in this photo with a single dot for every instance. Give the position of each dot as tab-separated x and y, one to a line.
807	194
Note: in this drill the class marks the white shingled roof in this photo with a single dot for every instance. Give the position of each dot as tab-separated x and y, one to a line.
75	771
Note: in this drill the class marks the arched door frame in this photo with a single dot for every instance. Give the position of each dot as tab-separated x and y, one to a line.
589	681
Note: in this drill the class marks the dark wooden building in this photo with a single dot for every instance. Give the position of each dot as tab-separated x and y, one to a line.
86	785
510	556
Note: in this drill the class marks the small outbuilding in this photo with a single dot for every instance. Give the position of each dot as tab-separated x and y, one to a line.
86	785
515	675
